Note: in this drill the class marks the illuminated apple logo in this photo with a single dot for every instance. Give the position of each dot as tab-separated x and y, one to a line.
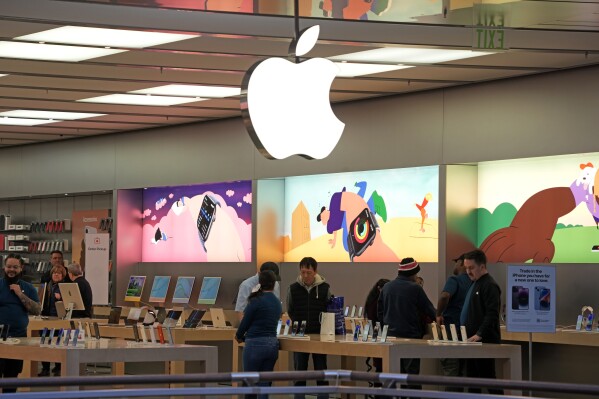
285	106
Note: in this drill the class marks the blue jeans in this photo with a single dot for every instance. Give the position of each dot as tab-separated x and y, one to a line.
260	354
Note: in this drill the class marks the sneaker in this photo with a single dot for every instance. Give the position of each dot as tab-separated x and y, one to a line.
44	373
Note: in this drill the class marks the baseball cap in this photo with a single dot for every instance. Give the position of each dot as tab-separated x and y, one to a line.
461	257
273	267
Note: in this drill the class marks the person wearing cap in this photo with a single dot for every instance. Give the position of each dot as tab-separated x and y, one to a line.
480	315
449	308
402	304
252	284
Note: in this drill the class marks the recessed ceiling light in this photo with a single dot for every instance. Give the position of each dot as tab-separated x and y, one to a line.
349	70
65	116
24	121
120	38
52	52
191	91
137	99
409	55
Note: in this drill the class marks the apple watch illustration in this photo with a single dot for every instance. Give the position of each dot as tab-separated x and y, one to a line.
206	218
361	233
285	106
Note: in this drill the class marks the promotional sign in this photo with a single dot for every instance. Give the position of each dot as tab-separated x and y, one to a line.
198	223
371	216
96	269
88	222
531	298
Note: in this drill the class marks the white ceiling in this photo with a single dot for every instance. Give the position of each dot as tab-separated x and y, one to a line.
542	37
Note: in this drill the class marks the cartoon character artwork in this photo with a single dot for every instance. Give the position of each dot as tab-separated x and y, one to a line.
529	236
350	209
353	9
422	209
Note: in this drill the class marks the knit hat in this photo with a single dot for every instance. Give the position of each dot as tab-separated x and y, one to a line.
408	267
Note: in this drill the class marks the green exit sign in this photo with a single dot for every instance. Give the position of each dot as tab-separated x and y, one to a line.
489	38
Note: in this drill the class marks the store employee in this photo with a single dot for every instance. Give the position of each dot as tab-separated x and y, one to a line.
18	300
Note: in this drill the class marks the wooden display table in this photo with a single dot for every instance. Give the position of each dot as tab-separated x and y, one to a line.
560	337
180	335
391	352
111	351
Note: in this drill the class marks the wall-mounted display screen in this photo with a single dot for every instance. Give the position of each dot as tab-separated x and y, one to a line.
373	216
183	289
539	209
199	223
159	288
135	288
209	290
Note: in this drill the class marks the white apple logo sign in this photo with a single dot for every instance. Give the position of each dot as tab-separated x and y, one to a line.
285	106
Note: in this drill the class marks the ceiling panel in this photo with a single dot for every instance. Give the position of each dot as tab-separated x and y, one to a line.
229	44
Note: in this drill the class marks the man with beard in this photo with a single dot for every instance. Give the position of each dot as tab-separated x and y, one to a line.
18	299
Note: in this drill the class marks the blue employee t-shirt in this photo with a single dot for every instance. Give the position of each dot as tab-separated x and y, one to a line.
457	287
12	311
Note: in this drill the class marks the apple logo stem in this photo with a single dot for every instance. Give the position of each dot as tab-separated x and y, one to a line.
285	105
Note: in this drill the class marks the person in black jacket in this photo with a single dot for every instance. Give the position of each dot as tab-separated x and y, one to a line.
402	306
76	276
480	314
306	299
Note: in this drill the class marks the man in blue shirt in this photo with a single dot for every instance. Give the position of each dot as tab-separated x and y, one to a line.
18	299
251	284
449	308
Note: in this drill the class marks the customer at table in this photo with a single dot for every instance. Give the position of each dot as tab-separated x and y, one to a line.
449	307
18	300
480	315
402	306
371	313
306	299
258	328
56	260
76	276
57	274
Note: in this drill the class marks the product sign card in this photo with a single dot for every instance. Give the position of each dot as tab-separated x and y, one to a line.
531	298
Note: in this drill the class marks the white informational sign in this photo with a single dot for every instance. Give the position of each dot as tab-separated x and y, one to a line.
96	265
531	298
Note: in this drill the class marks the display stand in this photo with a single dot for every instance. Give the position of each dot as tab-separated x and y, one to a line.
69	308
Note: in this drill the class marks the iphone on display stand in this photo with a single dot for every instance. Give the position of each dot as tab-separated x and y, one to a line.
152	334
464	333
43	335
142	333
135	332
51	336
454	333
360	310
59	336
384	333
435	331
353	311
286	329
356	333
302	329
279	324
75	337
160	334
375	331
169	335
294	328
346	311
366	331
96	330
444	333
67	337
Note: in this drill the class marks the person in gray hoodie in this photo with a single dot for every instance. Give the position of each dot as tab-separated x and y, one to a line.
306	299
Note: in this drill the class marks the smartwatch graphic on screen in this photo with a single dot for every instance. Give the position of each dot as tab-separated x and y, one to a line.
362	232
206	218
